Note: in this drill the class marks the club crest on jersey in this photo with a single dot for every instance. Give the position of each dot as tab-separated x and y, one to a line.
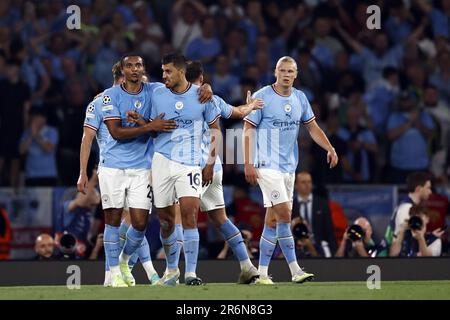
179	105
106	99
275	195
91	108
287	108
137	104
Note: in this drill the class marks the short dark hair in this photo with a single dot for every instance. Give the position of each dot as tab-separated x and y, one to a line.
388	71
417	179
194	70
178	60
131	55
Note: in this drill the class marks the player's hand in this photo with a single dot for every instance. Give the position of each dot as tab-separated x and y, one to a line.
251	176
158	124
205	93
332	158
438	232
254	103
82	183
207	175
133	116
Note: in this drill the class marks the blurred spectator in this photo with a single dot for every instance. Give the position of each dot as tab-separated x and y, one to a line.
185	24
38	145
5	234
222	81
361	148
206	46
357	241
412	239
229	8
381	97
409	127
314	212
15	97
44	247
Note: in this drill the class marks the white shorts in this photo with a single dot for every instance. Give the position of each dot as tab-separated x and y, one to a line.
125	187
212	195
277	187
173	180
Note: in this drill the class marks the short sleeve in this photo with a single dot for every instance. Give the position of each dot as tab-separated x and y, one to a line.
110	107
93	116
255	117
307	113
153	108
211	113
225	109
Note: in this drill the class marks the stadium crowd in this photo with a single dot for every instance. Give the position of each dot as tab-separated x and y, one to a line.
382	96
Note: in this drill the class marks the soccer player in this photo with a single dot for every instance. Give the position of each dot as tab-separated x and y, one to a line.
176	164
212	201
95	128
124	168
273	165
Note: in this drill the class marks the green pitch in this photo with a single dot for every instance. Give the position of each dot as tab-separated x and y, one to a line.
219	291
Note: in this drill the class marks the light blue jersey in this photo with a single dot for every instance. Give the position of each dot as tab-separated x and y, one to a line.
225	112
277	127
182	145
132	153
94	121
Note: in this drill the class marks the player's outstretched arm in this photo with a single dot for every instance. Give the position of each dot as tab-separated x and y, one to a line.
243	110
321	139
248	144
85	151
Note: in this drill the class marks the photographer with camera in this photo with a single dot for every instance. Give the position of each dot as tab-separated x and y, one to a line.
357	241
304	246
412	240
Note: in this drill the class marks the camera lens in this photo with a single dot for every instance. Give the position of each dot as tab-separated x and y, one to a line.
415	223
300	231
355	232
68	242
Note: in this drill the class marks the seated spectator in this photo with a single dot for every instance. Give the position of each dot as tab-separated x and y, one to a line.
44	247
413	240
315	212
38	145
357	241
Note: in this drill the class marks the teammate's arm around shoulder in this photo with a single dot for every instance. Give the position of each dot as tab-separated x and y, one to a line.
321	139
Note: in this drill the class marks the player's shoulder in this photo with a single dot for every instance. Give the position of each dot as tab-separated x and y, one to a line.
157	87
151	86
299	93
264	91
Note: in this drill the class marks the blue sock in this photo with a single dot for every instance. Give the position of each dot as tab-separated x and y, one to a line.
111	243
191	242
170	249
179	233
234	238
106	259
134	240
143	253
286	241
267	245
123	234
